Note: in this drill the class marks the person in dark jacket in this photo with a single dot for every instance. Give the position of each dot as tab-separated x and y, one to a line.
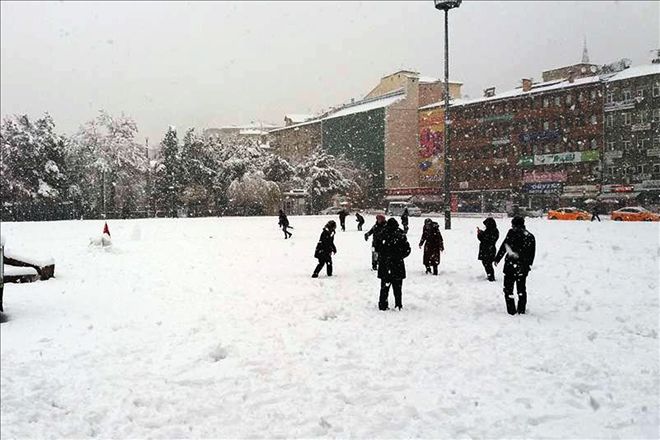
433	245
487	241
375	230
594	212
342	218
284	224
520	248
325	248
360	220
392	247
404	220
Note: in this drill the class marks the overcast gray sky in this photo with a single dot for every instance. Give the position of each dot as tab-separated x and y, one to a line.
202	64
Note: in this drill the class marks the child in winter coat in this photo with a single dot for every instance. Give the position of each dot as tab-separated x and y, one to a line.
325	248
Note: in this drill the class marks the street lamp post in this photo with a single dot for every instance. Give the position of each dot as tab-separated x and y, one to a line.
446	5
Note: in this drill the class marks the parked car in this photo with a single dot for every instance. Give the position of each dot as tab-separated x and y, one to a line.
634	214
396	209
571	213
331	210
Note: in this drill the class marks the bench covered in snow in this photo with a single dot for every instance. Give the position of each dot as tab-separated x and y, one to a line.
16	274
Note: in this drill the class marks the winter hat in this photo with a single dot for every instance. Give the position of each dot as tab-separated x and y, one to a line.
490	222
331	225
380	218
428	221
392	223
518	221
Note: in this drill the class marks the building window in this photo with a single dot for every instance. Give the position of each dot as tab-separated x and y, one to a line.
611	170
593	120
641	169
656	114
656	142
611	146
593	94
580	97
546	102
557	101
640	93
594	144
609	121
627	95
631	170
627	118
609	97
546	125
626	145
643	117
656	168
656	89
643	144
569	99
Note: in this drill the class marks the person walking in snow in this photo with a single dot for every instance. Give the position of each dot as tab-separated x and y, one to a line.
487	241
325	248
342	218
433	245
404	220
360	220
375	230
594	212
284	224
519	245
392	247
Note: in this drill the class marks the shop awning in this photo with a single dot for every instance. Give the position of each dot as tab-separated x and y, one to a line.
618	196
403	198
431	198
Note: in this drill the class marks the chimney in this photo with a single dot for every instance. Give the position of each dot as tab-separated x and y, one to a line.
526	84
489	92
571	76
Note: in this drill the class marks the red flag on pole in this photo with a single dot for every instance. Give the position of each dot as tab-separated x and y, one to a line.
106	230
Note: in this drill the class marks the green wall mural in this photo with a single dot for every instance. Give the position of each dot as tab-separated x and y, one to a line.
361	138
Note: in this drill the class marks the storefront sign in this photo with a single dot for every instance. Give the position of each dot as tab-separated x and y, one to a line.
540	176
651	184
569	157
501	161
501	141
616	154
618	188
411	191
621	105
497	118
539	136
526	161
640	127
542	188
580	191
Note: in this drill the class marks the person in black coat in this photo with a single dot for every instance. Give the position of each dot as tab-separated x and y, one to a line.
392	247
360	220
594	212
375	230
520	248
325	248
433	245
342	219
284	224
404	220
487	241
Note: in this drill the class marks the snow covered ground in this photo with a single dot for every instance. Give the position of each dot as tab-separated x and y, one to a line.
214	328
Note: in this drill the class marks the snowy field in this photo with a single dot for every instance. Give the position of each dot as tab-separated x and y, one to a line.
192	328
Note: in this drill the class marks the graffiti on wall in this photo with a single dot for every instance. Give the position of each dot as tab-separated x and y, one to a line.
431	139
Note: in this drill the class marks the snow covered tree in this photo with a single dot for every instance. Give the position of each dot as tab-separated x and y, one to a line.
168	174
32	167
110	165
252	194
323	179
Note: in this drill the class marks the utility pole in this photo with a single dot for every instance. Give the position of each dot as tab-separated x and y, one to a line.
446	5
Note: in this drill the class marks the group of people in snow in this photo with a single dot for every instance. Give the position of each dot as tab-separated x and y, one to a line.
390	247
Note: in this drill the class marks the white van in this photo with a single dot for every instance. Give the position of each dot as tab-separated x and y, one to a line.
396	209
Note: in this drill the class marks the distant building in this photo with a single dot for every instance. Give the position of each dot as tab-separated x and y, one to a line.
255	133
632	135
378	133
